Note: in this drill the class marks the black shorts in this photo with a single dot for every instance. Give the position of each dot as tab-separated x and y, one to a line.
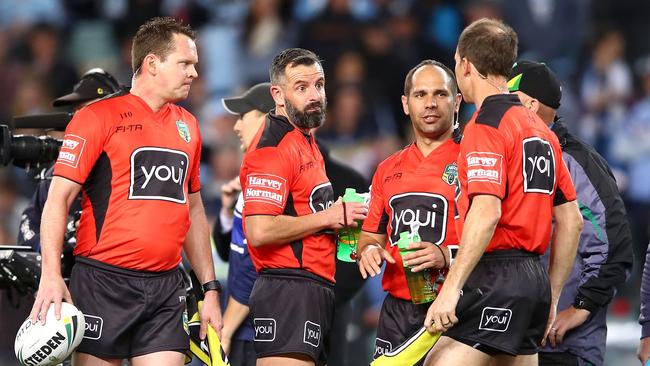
398	321
292	312
511	315
242	353
129	313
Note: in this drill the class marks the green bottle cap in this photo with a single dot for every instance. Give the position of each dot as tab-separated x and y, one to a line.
351	195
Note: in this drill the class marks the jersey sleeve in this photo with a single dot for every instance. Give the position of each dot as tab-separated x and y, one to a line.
266	177
565	191
484	150
377	219
195	172
83	143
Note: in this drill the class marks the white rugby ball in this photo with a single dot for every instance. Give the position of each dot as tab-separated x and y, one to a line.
50	344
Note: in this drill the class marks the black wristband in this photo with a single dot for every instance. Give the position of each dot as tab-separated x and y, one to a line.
213	285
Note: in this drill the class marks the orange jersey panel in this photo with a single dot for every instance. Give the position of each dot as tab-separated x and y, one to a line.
408	190
136	168
283	173
508	152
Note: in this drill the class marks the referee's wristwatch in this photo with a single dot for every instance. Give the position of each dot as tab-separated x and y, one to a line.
213	285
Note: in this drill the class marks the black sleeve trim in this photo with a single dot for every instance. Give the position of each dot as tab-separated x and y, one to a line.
559	198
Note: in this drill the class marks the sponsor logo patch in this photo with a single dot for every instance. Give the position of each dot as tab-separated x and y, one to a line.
428	211
266	188
264	329
71	150
495	319
158	174
321	197
312	334
538	166
94	326
382	347
484	167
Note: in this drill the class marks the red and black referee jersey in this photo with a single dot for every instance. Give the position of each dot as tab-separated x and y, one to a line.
283	173
411	190
136	168
508	152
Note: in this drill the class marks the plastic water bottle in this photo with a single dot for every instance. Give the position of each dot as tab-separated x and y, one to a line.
421	286
348	238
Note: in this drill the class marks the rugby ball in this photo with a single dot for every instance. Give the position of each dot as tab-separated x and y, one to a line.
50	344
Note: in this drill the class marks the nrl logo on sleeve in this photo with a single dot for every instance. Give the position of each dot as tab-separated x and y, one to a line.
71	150
485	167
450	175
266	188
183	130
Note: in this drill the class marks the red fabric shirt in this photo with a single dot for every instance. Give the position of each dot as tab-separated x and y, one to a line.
409	189
136	168
508	152
283	173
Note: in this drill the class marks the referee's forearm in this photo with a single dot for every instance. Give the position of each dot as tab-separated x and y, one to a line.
197	242
272	230
564	244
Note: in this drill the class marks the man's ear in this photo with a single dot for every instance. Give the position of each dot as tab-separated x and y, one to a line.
457	101
405	105
278	95
150	64
534	105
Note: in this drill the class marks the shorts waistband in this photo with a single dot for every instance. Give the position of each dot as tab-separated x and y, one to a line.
509	253
295	273
121	270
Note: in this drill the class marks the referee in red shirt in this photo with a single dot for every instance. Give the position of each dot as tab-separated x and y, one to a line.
289	217
513	182
135	158
414	188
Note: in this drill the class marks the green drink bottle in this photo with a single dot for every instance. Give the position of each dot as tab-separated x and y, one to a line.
346	246
421	286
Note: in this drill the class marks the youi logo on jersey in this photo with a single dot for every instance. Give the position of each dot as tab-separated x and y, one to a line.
427	211
158	174
539	166
321	197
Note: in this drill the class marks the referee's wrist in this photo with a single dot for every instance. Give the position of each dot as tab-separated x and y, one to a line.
213	285
366	247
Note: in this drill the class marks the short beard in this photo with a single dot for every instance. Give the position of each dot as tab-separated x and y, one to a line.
307	120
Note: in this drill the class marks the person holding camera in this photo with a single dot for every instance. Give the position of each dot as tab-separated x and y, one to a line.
94	85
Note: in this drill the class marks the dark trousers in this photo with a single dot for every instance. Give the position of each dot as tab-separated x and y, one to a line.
561	359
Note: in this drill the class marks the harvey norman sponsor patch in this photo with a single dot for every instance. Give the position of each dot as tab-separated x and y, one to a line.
71	150
484	167
266	188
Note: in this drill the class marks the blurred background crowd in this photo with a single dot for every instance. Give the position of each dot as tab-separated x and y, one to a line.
599	49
